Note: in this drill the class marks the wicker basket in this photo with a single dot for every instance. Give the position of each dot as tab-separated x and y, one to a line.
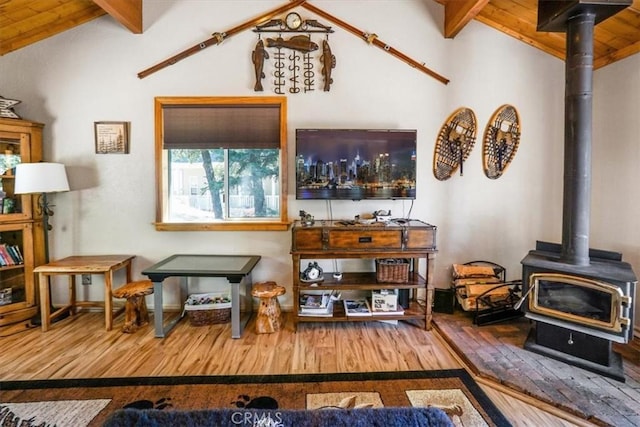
207	314
392	270
200	315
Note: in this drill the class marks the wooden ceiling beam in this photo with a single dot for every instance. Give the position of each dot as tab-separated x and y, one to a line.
458	13
126	12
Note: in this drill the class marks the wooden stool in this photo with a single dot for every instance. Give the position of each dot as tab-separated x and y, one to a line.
268	319
135	309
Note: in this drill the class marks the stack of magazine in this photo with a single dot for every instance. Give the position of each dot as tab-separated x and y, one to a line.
357	307
317	303
364	307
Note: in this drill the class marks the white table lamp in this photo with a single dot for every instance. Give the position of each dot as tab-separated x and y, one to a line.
42	178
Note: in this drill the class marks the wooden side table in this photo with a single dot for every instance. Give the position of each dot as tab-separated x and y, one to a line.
72	266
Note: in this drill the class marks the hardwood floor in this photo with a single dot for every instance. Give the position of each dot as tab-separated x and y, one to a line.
79	347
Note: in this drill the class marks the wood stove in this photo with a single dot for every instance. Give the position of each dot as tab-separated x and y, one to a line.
579	311
581	299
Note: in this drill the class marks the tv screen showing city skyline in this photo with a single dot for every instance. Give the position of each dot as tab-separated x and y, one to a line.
356	164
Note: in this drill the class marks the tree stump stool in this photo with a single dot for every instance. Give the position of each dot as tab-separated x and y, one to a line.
135	308
269	314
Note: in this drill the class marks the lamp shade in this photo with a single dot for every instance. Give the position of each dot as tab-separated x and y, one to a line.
40	178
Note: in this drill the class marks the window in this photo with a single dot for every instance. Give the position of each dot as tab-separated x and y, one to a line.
221	163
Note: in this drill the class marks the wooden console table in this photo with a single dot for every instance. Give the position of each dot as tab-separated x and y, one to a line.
412	239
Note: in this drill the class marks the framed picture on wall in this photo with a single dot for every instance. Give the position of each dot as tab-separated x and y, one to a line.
112	137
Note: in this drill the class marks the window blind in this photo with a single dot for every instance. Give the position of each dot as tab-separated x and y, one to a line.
221	126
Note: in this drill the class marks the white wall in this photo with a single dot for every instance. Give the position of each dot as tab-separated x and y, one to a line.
89	74
615	195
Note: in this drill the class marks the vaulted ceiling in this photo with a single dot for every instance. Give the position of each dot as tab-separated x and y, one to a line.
24	22
614	39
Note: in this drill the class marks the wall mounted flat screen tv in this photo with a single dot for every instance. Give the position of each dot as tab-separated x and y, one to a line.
355	164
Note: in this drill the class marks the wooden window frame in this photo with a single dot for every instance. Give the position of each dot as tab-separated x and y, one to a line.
235	224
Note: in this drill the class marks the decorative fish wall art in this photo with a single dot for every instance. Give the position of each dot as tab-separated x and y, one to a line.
293	59
257	57
328	63
293	62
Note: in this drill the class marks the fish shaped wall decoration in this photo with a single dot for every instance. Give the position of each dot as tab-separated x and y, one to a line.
258	56
328	63
301	43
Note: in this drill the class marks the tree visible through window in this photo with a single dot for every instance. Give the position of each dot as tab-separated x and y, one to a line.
221	163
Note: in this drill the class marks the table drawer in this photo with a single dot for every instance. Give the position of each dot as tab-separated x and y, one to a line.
334	236
307	239
419	238
367	239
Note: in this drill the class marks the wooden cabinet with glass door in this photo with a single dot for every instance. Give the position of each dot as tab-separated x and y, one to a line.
21	233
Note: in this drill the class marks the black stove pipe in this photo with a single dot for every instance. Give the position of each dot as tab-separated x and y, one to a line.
577	138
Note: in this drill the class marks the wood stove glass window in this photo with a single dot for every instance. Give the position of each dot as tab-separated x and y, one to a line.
576	299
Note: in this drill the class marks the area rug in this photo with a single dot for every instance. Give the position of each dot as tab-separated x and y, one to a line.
88	402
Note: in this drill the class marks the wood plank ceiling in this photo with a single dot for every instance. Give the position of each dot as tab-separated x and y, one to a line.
614	39
24	22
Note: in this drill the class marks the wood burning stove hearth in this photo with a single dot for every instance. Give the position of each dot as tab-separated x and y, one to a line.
580	299
579	311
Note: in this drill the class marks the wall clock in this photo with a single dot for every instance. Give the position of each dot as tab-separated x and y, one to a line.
501	140
454	143
293	21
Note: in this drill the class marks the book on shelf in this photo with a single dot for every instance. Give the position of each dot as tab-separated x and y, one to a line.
318	303
357	307
315	299
315	315
384	300
317	312
398	312
5	256
14	251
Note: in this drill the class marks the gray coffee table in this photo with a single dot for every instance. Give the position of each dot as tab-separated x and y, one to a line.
235	268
